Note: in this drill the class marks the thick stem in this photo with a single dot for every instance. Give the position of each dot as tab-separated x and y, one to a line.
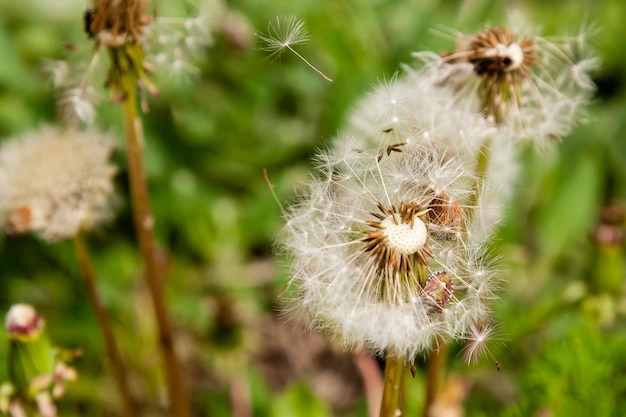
113	353
392	391
434	369
144	222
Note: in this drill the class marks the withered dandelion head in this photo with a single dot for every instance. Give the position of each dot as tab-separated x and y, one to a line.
364	241
503	61
497	53
118	26
57	182
116	22
532	87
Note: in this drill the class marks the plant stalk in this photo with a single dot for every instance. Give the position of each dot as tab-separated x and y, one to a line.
113	353
393	386
434	369
144	222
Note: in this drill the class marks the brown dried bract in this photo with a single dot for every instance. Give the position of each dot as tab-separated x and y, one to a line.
445	217
113	20
18	221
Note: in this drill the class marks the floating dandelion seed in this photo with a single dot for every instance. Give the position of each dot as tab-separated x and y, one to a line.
479	340
285	33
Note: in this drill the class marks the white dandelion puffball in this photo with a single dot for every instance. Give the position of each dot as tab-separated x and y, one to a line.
379	256
56	182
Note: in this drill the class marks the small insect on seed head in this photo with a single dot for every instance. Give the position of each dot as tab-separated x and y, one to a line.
437	292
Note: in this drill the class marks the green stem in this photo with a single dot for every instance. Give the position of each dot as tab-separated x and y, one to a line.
434	369
482	163
144	222
113	353
392	390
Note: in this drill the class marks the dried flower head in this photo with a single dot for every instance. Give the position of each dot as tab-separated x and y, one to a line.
502	61
114	23
532	87
370	262
57	182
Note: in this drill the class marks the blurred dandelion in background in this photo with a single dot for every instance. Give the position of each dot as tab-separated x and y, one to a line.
57	182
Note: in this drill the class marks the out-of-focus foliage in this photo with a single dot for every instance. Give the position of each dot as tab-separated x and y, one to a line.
562	314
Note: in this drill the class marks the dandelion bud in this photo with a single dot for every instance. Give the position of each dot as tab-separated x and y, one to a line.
30	354
23	322
37	372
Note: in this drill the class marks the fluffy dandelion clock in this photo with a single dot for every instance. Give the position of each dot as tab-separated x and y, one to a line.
379	258
532	87
412	108
57	182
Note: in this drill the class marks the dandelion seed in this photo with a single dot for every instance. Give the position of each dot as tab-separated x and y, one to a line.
283	35
478	340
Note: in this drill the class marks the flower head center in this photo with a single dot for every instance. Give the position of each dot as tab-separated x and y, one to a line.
512	55
404	238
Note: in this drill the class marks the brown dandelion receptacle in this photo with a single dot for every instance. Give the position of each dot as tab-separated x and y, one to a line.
437	292
121	20
502	60
18	221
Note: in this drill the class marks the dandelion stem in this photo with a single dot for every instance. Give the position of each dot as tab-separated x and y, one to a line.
393	385
113	353
482	163
434	368
144	221
308	63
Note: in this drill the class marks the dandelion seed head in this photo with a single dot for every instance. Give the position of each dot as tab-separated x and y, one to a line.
532	88
61	178
364	239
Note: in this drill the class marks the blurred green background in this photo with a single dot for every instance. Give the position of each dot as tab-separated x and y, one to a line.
562	312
